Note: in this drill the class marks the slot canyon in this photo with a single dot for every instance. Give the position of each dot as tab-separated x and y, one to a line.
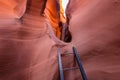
33	31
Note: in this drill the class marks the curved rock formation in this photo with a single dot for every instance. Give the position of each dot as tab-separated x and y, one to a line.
94	26
28	44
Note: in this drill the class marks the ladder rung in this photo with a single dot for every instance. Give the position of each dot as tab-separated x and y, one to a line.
71	68
67	53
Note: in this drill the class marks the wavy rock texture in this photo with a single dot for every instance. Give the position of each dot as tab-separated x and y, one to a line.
12	8
95	29
28	45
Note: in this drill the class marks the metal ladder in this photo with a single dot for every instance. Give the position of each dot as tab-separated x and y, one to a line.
72	68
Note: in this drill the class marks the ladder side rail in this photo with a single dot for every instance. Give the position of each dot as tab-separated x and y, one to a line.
60	65
79	64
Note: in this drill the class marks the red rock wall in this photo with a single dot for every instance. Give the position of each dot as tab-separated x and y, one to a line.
12	8
95	29
27	48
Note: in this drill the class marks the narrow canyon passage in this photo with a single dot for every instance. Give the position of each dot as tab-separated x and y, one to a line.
30	34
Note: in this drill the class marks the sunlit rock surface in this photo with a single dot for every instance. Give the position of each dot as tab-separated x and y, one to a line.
28	45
